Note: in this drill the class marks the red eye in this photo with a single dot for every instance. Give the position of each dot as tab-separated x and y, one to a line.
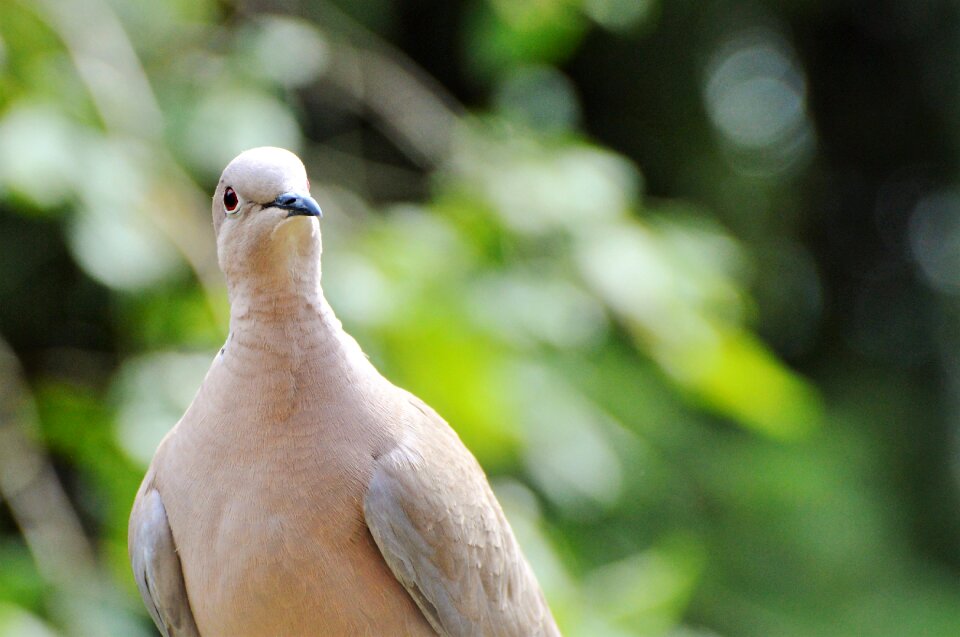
230	199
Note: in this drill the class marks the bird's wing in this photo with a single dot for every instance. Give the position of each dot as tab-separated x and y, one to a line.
156	567
443	534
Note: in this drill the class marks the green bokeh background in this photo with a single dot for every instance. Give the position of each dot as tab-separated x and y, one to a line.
684	275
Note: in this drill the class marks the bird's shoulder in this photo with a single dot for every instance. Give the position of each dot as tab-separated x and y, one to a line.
426	454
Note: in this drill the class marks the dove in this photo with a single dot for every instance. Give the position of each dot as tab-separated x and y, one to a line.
302	494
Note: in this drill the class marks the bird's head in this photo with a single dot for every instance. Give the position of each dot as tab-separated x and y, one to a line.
265	220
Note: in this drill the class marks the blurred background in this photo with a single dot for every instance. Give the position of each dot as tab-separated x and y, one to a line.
684	275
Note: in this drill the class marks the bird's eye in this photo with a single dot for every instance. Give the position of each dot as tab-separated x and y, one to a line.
230	200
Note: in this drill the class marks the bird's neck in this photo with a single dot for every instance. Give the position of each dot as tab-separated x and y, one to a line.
274	298
280	319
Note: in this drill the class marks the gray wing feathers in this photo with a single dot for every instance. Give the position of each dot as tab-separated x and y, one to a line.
156	567
394	534
441	531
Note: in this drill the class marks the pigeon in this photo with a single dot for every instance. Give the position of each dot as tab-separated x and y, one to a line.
302	494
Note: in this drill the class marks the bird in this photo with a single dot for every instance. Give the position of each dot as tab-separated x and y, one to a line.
302	493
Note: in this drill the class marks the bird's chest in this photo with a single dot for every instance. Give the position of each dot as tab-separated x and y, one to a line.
279	544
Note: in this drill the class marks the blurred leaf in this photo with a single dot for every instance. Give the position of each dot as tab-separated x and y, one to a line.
229	119
650	591
177	315
76	425
502	33
740	378
20	583
621	15
39	148
16	622
290	52
151	392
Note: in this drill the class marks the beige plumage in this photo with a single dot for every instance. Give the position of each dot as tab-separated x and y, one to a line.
302	494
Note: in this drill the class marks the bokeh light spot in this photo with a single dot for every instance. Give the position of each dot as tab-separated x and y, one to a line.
755	95
935	240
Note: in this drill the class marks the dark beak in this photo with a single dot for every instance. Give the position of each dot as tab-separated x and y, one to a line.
298	204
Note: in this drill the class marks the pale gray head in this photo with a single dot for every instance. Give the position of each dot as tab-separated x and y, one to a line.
264	216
